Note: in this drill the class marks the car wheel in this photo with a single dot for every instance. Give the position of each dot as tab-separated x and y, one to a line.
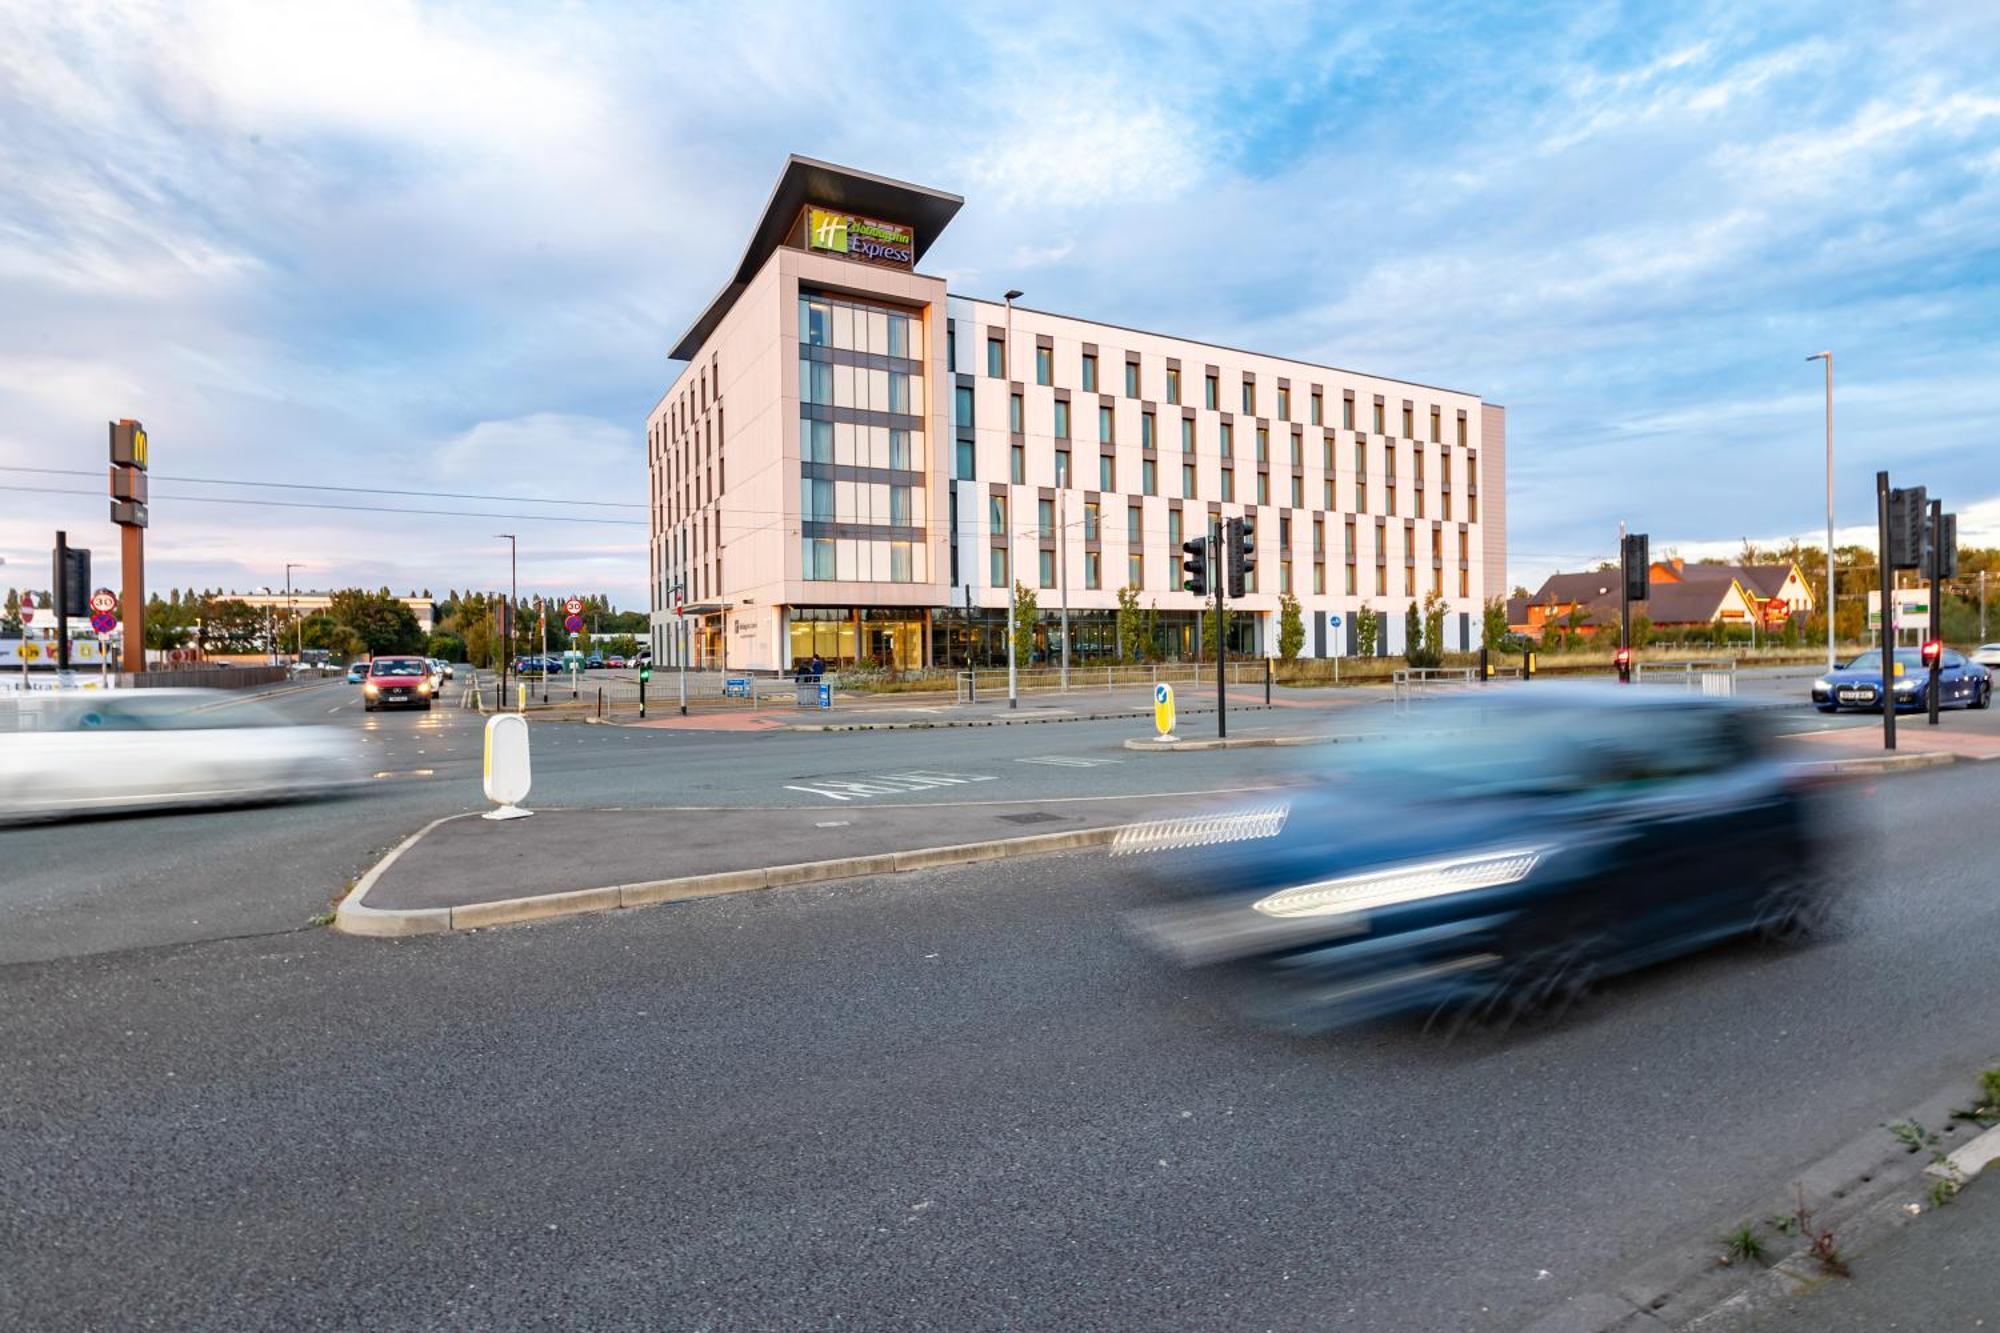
1795	908
1540	986
427	705
1985	696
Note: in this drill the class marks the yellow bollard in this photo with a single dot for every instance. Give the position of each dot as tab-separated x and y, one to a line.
521	701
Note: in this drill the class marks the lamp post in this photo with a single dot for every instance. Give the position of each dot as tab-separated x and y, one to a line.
513	595
1013	573
1831	605
298	630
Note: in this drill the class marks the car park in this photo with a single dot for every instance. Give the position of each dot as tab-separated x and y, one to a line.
1858	685
74	752
397	682
1524	848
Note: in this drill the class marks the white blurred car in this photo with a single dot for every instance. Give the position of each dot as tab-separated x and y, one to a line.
75	752
1987	655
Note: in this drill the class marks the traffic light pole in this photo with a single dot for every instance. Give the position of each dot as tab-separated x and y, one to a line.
1218	574
1937	612
61	599
1888	613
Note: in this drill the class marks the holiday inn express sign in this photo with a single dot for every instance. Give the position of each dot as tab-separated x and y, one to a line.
860	238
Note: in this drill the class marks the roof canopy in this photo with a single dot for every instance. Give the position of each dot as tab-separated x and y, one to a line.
804	180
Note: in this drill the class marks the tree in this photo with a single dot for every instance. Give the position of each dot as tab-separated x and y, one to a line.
1208	627
1413	636
383	622
1424	629
1133	645
230	625
327	633
10	621
1642	630
1493	623
1025	615
1291	627
447	646
1368	629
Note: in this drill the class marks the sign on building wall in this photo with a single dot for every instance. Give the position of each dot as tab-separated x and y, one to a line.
860	238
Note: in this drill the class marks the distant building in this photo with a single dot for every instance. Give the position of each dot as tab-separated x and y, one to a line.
312	603
1684	596
1763	583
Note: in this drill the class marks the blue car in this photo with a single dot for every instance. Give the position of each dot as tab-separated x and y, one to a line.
357	672
1858	685
1498	866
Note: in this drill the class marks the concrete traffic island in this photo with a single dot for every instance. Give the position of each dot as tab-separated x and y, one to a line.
463	872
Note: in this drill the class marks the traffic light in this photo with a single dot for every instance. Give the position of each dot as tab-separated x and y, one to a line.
1622	659
1933	651
645	671
1241	543
1635	555
72	588
1946	548
1195	566
1909	508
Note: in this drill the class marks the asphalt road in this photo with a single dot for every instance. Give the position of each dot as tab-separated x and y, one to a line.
957	1099
91	886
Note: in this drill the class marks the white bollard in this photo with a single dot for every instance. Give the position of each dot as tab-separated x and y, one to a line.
506	771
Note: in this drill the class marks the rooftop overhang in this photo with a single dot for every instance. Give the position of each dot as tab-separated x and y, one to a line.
804	180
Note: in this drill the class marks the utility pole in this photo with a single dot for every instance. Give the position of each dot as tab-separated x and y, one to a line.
1013	574
1062	561
1936	560
1888	695
1831	660
292	610
62	598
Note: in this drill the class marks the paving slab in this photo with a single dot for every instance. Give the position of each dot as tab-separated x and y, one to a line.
464	861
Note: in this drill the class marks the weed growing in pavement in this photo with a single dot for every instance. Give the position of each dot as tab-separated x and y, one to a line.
1818	1239
1985	1111
323	919
1744	1245
1913	1136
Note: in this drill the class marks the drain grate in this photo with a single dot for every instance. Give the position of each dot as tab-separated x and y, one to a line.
1030	817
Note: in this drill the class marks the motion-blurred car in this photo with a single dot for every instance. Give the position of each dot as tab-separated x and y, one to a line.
439	673
357	671
1987	655
77	752
1529	844
1858	685
397	682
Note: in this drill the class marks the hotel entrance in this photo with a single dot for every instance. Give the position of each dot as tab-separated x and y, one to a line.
886	638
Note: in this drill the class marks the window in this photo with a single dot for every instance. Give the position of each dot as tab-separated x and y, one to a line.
1090	372
1062	418
1062	467
996	515
1048	570
965	458
1319	577
1298	492
816	382
1229	483
963	412
1045	364
1249	396
1107	472
1017	464
1317	408
1131	379
1187	481
1379	428
1146	423
815	323
1298	449
1326	496
1437	416
1461	433
1187	435
951	346
1149	477
1319	536
816	500
1016	413
1263	488
1106	425
816	441
1228	441
1263	445
1090	517
1381	580
1133	514
1208	389
817	559
1135	568
996	572
1409	422
1284	576
899	335
1173	530
899	448
899	391
1093	569
1045	517
1284	403
996	358
1173	385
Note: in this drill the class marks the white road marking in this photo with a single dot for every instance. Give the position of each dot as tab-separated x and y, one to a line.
1066	761
886	784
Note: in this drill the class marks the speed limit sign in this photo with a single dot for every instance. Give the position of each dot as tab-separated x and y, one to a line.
574	606
104	600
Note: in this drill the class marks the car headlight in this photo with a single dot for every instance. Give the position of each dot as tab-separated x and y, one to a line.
423	687
371	687
1906	686
1822	685
1403	884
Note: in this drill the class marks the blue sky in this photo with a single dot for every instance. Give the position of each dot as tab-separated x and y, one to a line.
446	247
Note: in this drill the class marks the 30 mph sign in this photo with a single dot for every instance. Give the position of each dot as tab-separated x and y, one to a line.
574	606
104	601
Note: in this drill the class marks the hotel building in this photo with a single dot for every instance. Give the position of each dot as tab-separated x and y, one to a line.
856	463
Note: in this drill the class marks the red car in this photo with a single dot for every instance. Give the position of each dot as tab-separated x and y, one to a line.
397	682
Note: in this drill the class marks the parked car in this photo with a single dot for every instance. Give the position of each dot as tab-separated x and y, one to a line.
83	752
357	671
595	662
1858	685
1523	848
616	660
397	682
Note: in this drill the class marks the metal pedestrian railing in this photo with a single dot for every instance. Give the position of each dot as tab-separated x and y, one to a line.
1714	677
1414	683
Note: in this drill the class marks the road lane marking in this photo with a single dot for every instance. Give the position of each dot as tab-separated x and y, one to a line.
885	784
1066	761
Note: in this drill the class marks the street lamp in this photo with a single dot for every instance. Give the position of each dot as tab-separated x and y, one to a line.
513	595
1013	572
298	630
1831	661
